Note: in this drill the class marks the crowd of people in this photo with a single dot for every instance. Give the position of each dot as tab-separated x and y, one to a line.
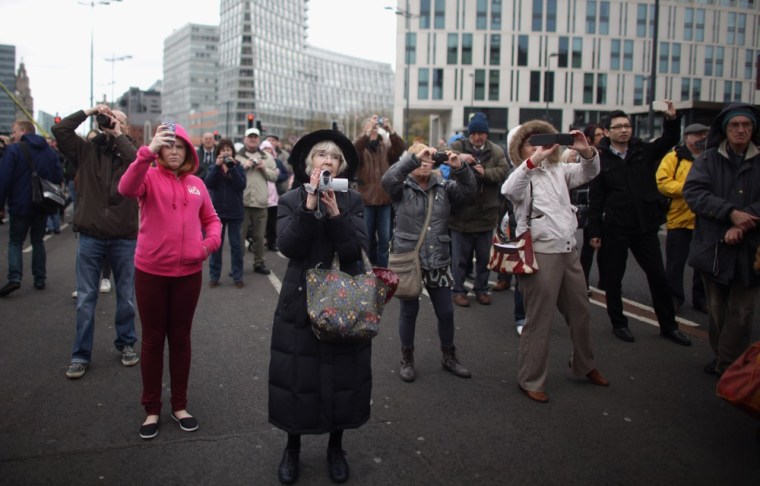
152	216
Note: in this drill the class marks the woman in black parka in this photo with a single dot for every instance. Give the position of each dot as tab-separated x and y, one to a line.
317	387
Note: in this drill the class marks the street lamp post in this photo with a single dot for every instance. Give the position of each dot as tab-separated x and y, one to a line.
113	60
546	87
407	74
92	4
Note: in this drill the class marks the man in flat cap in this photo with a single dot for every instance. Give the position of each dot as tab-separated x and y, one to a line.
723	190
671	175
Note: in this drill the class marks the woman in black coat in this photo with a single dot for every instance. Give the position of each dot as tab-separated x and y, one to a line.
317	387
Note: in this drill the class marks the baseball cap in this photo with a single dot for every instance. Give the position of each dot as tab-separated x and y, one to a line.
253	131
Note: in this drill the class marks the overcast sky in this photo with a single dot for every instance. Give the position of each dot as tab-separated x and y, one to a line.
52	38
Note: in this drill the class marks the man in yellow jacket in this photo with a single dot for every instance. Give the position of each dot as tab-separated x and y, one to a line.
671	176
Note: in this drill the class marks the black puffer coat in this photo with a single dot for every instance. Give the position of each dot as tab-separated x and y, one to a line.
316	387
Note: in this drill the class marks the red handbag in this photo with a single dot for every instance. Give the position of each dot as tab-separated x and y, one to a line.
514	256
740	383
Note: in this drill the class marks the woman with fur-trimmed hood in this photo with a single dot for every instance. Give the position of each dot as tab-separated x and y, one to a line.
539	188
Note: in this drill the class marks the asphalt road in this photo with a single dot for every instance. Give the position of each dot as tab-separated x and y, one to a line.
658	423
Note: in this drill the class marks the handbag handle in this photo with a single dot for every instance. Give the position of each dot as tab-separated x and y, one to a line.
25	148
365	261
530	210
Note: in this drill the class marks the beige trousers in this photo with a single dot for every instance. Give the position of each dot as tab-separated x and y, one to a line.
558	283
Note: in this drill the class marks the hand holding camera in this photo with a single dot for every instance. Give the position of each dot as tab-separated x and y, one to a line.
165	137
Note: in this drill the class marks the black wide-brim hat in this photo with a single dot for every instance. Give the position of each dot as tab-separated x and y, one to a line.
304	145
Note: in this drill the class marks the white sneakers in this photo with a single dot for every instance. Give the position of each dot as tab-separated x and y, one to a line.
105	286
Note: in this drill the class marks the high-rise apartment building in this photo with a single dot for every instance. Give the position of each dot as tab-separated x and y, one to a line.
8	78
257	62
571	61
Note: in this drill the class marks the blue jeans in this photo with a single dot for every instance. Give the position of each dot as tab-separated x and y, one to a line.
91	253
236	252
54	222
19	227
378	221
440	297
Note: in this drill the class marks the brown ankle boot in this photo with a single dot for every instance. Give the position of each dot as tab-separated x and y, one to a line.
407	363
451	363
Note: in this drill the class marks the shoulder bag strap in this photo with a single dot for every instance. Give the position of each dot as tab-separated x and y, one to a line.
428	215
530	210
25	149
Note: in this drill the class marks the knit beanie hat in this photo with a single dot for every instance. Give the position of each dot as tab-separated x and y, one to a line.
739	112
478	124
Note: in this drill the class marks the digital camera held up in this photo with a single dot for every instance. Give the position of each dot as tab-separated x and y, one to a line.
327	183
104	121
439	158
229	162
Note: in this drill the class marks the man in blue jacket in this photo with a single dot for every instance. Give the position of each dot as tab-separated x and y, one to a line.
723	190
16	190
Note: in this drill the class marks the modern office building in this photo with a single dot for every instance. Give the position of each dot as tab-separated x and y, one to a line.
570	61
143	110
8	79
215	77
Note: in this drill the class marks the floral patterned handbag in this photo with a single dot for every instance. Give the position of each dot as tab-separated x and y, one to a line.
344	308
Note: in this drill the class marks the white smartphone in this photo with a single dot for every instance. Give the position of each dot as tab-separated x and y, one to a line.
660	106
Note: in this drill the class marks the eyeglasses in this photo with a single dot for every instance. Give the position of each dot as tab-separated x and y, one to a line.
621	127
328	155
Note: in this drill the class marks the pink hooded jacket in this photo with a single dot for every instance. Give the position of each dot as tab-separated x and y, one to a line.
175	213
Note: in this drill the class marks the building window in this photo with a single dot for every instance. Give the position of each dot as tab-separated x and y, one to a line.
641	20
749	59
664	54
601	89
577	52
538	15
628	55
424	14
638	90
495	14
481	16
452	49
615	54
535	86
467	49
495	49
675	58
688	24
719	61
741	28
737	91
562	53
708	60
591	17
685	88
551	15
480	84
696	89
588	88
423	83
493	85
731	33
699	25
522	50
411	48
727	85
549	87
438	84
604	18
440	14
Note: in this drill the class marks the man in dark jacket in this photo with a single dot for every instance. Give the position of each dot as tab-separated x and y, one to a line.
206	154
16	189
107	226
472	223
626	211
723	190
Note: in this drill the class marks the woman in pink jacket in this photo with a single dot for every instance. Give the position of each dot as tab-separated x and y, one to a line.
175	214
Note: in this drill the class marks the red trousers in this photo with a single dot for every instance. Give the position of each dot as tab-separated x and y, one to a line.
166	306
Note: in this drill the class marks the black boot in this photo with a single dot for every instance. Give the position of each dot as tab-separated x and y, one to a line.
451	363
288	471
337	465
407	363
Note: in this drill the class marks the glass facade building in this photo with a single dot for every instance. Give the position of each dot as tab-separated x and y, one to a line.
8	78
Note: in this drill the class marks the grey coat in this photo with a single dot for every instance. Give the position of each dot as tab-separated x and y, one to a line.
314	386
410	204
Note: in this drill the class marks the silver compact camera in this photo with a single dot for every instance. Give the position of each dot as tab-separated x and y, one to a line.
327	183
